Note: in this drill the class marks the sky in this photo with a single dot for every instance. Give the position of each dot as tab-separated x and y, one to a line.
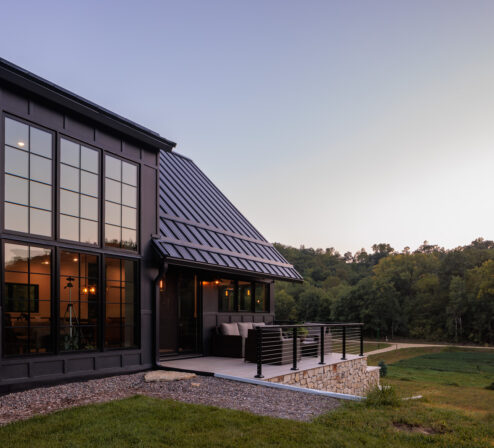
327	123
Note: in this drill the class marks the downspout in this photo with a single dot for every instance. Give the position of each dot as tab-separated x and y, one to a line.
156	311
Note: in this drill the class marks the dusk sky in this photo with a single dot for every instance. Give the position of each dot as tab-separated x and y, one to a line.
327	123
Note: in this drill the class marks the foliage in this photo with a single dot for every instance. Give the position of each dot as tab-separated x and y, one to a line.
384	369
385	395
490	386
431	293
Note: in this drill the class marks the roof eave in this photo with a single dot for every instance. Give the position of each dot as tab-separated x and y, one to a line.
32	83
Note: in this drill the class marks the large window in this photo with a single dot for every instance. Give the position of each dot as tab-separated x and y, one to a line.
242	296
28	179
121	324
79	193
79	301
120	203
27	300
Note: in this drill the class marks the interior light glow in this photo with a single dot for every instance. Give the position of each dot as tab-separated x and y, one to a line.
21	144
216	282
248	292
75	259
45	262
92	290
84	290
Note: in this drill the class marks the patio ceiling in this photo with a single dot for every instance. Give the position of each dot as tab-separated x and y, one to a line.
199	225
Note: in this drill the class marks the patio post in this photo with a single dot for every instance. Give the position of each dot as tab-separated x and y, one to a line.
294	349
322	344
259	352
343	342
361	340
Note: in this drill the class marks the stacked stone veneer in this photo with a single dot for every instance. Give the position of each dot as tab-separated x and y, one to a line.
346	377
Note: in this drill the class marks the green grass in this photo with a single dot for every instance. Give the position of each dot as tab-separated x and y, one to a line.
371	346
148	422
455	416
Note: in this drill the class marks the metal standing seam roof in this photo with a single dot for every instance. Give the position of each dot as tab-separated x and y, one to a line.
199	225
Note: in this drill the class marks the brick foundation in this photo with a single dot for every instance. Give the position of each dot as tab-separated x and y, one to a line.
346	377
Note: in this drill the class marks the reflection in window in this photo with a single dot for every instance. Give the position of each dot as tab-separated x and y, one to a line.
79	193
261	297
121	320
120	203
27	300
226	289
28	179
79	301
244	296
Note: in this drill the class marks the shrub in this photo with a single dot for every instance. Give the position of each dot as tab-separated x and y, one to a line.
490	386
384	369
382	396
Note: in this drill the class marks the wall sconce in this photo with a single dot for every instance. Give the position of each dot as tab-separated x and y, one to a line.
216	282
248	292
84	290
162	285
92	290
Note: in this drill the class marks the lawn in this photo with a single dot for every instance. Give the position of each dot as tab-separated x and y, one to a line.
448	416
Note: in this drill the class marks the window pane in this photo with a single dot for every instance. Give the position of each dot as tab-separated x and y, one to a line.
69	203
69	228
129	174
16	341
112	235
245	296
113	293
16	217
40	260
129	239
129	196
112	269
40	340
227	295
113	213
128	293
40	169
69	152
16	134
128	313
89	267
69	264
261	297
41	142
129	218
42	285
16	190
16	257
89	207
40	195
40	222
113	191
69	178
89	160
113	168
89	183
89	232
16	162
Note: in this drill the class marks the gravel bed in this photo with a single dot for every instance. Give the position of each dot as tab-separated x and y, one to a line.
205	390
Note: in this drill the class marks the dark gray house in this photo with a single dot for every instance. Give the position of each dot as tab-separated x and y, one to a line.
115	251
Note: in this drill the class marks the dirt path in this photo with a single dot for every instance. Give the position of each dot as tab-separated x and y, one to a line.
399	345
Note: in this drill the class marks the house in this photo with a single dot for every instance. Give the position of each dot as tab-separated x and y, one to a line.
115	250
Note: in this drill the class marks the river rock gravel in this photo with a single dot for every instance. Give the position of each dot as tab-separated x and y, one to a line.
205	390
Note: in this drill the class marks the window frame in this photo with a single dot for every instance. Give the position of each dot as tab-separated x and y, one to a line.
103	205
100	192
53	299
54	179
236	305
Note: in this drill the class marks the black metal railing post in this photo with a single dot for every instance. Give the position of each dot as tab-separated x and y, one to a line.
259	352
294	349
361	340
322	344
343	342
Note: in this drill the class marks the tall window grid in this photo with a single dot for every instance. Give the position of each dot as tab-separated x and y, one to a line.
120	203
79	193
28	179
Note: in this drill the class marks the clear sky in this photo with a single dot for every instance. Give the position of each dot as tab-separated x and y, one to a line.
327	123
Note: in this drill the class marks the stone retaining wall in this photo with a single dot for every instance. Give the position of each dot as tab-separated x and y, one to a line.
346	377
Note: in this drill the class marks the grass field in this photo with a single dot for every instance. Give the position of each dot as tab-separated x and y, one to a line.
448	416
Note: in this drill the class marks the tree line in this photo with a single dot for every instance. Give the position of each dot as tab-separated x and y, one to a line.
430	293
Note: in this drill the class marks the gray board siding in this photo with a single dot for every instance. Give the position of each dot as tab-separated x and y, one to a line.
198	224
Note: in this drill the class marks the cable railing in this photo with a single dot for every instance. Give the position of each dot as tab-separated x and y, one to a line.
289	344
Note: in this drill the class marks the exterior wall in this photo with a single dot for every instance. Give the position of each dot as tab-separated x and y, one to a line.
347	377
41	367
